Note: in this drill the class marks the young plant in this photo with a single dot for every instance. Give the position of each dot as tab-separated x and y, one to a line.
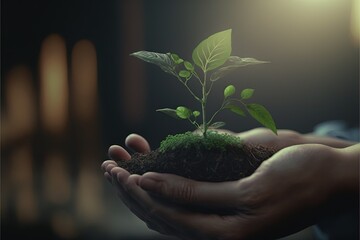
213	57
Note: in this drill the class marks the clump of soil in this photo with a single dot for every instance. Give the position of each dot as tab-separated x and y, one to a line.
218	158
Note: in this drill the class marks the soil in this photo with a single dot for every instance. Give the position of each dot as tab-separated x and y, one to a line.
201	164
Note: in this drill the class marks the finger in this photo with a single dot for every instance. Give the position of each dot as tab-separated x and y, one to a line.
158	228
108	177
109	167
187	191
185	224
137	143
122	177
265	137
118	153
257	136
106	163
153	222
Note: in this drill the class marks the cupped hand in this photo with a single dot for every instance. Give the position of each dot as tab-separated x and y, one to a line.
127	185
285	194
134	142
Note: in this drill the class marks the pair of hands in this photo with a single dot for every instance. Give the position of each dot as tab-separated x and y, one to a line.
286	193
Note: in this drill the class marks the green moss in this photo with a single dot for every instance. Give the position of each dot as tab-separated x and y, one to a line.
214	141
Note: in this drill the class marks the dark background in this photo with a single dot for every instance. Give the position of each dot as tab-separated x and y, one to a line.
313	75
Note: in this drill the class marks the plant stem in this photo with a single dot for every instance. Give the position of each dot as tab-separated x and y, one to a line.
211	84
187	87
221	108
197	77
203	106
194	123
238	100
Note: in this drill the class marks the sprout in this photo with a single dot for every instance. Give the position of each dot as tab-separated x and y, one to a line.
213	57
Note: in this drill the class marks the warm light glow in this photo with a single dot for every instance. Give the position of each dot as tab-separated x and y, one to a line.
57	186
84	81
20	116
21	181
54	85
89	202
355	21
84	105
26	205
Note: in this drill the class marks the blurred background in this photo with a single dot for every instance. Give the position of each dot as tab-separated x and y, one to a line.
69	89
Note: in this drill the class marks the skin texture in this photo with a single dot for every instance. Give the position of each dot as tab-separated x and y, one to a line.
288	192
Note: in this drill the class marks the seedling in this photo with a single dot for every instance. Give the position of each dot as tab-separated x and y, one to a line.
213	57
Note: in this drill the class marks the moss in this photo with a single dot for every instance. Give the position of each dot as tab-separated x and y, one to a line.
213	141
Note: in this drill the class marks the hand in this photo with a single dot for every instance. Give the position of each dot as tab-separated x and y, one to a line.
286	138
266	205
265	137
117	153
270	203
126	183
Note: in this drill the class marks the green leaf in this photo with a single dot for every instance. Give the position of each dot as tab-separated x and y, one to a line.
184	73
235	109
160	59
262	115
229	90
217	125
247	93
213	52
189	66
183	112
196	113
176	58
168	111
233	63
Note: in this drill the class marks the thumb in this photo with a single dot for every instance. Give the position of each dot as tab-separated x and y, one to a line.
186	191
137	143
